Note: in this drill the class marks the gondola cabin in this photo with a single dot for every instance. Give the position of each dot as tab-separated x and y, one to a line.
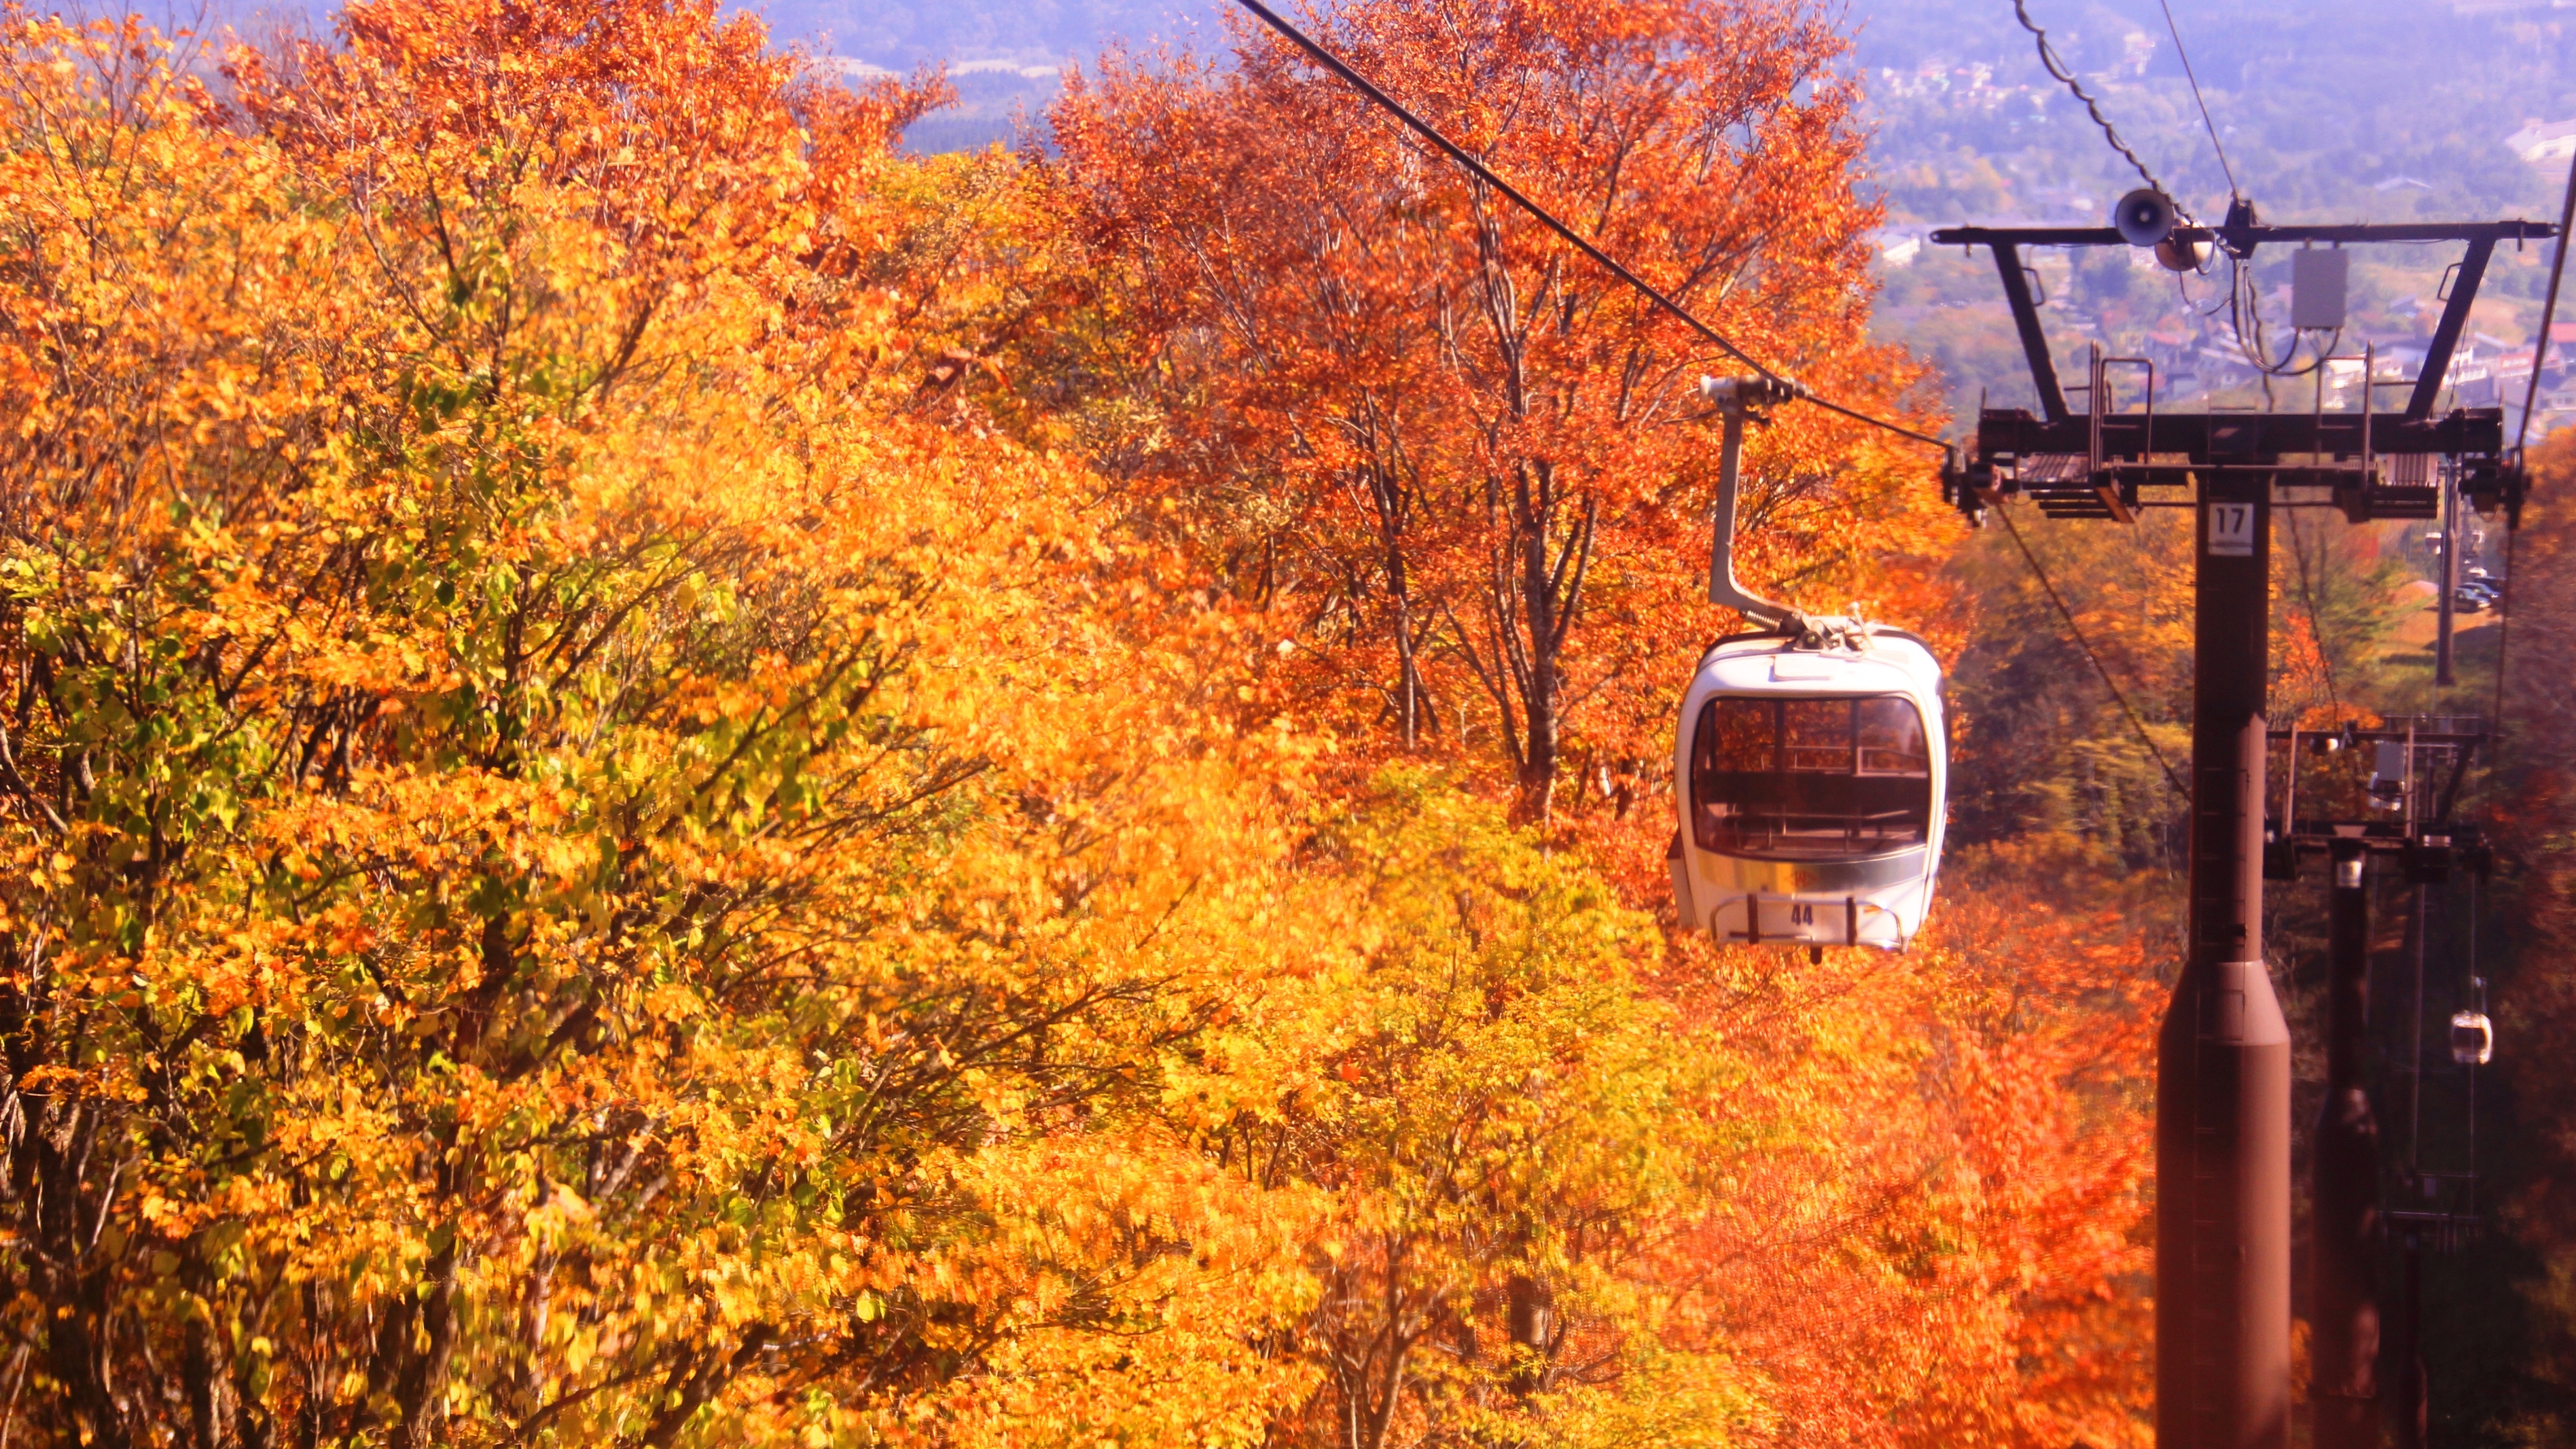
1811	775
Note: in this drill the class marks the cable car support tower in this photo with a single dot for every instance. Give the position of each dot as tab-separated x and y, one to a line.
2223	1052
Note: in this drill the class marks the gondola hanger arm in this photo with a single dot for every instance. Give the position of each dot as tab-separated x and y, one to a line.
1735	399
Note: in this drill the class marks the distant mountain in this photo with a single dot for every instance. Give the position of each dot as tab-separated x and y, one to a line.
2329	108
902	34
2379	108
894	35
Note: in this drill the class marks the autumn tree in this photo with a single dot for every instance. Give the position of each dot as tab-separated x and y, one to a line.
2042	745
671	779
2046	745
569	878
1495	1105
1461	465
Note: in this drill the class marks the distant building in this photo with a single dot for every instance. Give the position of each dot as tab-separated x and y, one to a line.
2543	140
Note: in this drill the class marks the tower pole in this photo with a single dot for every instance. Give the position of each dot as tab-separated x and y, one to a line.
2345	1179
2223	1052
2405	1350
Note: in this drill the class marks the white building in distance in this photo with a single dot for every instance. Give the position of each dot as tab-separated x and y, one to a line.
2543	140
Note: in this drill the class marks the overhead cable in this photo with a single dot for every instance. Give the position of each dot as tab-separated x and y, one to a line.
2548	310
2504	636
1484	173
2187	74
2077	630
2522	434
2048	59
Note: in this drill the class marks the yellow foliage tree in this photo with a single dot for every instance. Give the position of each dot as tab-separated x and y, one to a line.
564	864
611	838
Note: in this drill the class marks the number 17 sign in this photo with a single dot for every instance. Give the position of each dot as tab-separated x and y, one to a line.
2231	530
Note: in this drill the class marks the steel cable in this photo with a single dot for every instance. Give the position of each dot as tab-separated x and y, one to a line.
1484	173
2188	74
2504	635
2316	621
2548	310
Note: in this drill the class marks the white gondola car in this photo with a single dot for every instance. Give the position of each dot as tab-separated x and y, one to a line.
1811	781
1809	762
2472	1038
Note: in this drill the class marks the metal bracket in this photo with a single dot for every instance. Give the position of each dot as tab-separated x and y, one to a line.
2034	339
2446	333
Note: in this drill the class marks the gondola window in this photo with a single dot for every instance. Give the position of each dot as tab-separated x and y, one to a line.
1810	779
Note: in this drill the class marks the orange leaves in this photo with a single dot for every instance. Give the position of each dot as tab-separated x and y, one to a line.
117	374
668	128
1459	465
611	840
1938	1236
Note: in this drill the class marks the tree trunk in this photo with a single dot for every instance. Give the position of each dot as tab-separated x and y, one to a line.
1549	588
1533	1332
1392	510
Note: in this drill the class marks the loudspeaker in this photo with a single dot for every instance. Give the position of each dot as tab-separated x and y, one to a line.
2144	217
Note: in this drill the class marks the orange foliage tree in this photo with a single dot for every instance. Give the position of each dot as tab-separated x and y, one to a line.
605	843
1461	465
1460	473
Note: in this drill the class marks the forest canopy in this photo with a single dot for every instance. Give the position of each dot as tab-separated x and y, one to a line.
670	778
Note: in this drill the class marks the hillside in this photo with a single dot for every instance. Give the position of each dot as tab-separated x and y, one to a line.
2373	111
689	760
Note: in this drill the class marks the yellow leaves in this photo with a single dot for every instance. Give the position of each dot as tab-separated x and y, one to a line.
623	803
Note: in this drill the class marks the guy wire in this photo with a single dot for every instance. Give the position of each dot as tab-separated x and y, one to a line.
2214	144
2077	630
1484	173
